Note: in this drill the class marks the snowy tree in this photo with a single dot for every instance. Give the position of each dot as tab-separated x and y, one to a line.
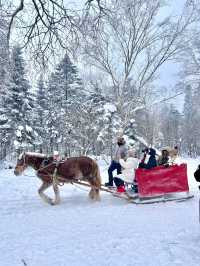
19	102
4	74
142	42
91	133
188	124
170	126
40	114
65	97
4	52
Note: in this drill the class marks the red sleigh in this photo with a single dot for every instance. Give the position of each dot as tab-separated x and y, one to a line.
162	183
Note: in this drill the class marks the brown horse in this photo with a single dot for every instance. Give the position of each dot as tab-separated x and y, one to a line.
52	173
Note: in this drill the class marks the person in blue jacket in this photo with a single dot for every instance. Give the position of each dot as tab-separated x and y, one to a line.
151	162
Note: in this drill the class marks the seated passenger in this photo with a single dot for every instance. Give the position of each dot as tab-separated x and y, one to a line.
151	162
128	172
173	153
164	158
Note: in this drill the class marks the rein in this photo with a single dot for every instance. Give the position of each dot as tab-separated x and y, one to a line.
45	166
53	175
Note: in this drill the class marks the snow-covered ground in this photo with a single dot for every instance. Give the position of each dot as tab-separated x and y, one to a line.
81	232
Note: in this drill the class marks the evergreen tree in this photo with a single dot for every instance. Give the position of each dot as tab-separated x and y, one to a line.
65	96
19	102
188	124
40	114
195	121
4	51
173	126
4	67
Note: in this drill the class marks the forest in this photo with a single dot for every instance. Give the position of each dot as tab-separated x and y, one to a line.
73	76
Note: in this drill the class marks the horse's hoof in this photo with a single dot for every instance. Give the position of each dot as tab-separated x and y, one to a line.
98	199
53	203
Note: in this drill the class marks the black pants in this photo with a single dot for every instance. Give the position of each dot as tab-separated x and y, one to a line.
113	166
118	182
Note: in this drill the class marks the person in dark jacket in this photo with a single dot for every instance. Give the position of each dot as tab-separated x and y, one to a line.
164	158
151	162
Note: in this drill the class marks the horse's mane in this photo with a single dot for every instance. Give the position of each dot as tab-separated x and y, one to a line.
36	154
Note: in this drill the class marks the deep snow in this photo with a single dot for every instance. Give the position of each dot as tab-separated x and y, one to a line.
81	232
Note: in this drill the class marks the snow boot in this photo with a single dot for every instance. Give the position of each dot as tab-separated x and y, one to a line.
121	189
108	185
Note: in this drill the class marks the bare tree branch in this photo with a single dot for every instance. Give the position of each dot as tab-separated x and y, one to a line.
19	8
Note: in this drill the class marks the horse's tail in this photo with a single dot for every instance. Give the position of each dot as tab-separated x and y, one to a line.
95	182
97	175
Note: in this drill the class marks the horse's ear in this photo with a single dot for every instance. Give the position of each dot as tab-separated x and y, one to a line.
21	155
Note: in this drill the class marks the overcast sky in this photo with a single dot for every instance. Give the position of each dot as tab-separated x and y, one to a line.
169	71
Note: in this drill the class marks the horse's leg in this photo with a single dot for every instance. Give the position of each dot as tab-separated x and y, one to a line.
43	187
97	194
97	181
95	186
57	193
92	193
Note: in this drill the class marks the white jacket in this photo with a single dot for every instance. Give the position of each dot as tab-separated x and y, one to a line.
128	173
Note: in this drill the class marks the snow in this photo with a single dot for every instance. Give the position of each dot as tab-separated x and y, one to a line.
16	144
28	128
81	232
18	134
21	128
110	108
3	118
37	154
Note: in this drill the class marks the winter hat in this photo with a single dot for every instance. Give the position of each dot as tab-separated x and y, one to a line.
120	140
165	152
152	152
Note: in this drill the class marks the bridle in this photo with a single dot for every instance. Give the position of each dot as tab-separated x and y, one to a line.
42	169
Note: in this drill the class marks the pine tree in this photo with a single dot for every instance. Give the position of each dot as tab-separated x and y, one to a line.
65	96
174	121
196	119
4	51
188	124
19	102
40	114
4	66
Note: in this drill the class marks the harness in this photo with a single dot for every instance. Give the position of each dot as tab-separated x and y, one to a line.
54	176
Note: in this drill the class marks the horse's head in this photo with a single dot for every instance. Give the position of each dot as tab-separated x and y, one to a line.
32	159
21	164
